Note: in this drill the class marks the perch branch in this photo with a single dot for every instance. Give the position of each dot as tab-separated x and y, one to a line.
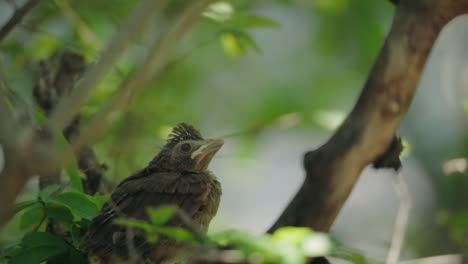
17	17
333	169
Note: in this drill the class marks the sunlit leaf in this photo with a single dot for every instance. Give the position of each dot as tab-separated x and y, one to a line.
317	244
231	45
292	234
219	11
176	233
160	215
134	223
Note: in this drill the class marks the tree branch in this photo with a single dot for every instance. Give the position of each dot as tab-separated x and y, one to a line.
49	89
17	17
333	169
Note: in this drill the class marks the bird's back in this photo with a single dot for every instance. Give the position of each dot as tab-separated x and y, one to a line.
198	194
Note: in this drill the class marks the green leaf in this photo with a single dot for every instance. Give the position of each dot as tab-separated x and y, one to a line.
39	239
36	255
247	40
78	203
219	11
75	233
317	244
246	21
73	174
59	212
99	200
48	191
31	217
76	257
243	241
152	237
292	234
176	233
232	45
161	215
134	223
25	204
37	247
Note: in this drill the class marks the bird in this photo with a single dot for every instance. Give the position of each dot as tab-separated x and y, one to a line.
178	175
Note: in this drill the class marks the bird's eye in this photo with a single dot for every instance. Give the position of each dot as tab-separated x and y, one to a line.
185	147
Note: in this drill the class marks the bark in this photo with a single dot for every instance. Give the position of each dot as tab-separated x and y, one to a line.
368	131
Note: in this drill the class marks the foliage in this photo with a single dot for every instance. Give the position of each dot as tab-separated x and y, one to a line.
71	212
305	74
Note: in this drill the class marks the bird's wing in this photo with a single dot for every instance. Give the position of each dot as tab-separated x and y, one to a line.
130	199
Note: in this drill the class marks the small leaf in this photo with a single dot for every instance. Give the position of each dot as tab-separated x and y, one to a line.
246	21
219	11
99	200
75	233
152	237
247	40
32	217
74	174
161	215
317	244
176	233
59	212
134	223
78	203
48	191
292	234
231	45
25	204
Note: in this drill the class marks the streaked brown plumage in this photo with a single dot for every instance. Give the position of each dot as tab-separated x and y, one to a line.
178	175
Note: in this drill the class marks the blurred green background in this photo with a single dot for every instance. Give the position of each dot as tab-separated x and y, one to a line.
273	88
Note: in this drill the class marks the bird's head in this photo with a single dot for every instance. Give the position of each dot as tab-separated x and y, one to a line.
186	150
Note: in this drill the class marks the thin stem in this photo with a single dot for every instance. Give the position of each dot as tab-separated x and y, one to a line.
17	17
401	222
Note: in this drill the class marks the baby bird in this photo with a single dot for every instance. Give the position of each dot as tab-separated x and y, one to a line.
179	176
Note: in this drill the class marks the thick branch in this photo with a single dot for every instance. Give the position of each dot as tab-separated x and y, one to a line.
17	17
333	169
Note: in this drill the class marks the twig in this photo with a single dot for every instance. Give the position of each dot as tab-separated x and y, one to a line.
150	69
67	108
50	88
188	224
17	17
444	259
401	223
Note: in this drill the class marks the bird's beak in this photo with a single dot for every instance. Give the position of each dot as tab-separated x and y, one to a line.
205	153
